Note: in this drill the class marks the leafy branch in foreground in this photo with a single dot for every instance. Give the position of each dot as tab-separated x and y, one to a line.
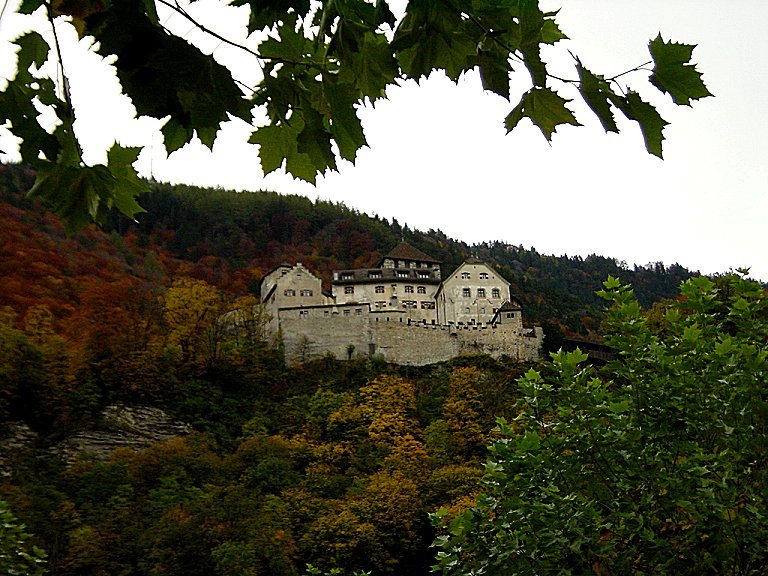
656	465
320	61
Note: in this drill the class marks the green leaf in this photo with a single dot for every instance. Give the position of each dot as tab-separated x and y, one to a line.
278	143
175	135
128	184
33	50
429	39
166	76
264	13
551	33
29	6
620	407
371	68
597	94
16	106
650	121
346	128
545	108
151	11
674	74
314	140
531	25
530	441
291	44
74	192
494	71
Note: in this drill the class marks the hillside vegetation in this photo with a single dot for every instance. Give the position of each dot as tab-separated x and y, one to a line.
334	463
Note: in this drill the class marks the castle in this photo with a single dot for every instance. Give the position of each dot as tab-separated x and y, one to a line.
402	310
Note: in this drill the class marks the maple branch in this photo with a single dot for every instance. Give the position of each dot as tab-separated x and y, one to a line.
179	10
635	69
64	80
259	57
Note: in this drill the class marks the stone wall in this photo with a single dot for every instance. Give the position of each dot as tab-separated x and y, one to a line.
401	342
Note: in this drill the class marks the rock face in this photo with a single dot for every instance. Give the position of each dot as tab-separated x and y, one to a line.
120	426
17	441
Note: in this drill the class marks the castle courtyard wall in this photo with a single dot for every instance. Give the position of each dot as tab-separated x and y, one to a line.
399	341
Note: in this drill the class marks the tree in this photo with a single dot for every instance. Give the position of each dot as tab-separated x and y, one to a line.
656	466
193	310
319	60
17	556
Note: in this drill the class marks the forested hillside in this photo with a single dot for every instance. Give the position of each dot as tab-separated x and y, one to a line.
334	463
228	236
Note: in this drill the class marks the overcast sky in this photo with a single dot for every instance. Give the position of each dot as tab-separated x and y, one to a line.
439	157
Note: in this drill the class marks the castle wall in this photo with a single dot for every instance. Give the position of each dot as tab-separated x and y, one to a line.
396	340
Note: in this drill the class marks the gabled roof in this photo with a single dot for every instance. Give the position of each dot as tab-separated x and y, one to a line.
405	251
513	305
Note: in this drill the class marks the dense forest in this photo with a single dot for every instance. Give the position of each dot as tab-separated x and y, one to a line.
283	470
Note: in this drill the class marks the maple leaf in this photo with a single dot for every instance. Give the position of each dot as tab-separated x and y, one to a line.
674	74
597	94
545	108
650	121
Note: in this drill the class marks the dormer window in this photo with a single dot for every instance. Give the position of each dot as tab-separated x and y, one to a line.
402	274
374	274
347	276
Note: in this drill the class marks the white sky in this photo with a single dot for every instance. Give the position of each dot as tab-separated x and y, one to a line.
438	155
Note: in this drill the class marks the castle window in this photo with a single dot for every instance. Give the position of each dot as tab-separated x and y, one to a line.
347	312
306	292
381	304
510	314
379	289
421	290
409	289
483	276
358	311
349	289
409	304
327	313
465	275
495	293
466	292
467	309
303	313
290	292
481	292
427	305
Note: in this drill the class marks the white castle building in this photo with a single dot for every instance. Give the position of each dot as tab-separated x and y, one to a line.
402	310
